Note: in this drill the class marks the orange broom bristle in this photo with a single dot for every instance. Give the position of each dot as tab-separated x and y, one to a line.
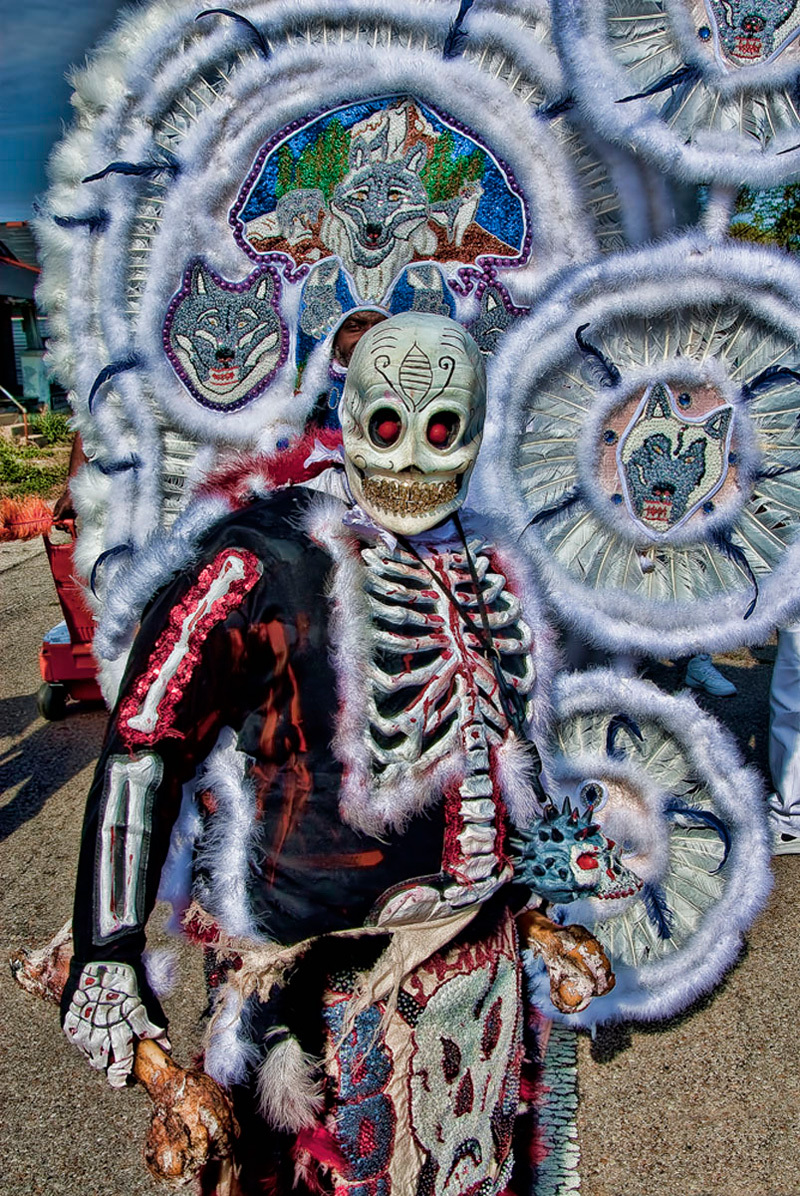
24	519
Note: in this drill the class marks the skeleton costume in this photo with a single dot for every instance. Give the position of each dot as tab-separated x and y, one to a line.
370	882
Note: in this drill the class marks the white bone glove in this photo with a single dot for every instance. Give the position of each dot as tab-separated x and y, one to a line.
106	1016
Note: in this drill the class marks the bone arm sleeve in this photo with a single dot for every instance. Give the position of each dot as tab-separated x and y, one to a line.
213	695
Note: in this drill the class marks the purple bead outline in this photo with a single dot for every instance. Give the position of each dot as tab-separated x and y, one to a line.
225	284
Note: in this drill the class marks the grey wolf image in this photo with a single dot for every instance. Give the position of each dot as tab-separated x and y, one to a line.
492	322
320	309
457	214
749	31
663	472
225	342
297	212
378	220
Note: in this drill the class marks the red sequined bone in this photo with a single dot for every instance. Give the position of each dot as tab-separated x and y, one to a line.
232	574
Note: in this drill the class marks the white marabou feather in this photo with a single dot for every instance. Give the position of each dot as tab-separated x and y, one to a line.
229	1054
224	849
290	1093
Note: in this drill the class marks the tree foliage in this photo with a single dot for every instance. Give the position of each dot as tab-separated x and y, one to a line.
769	217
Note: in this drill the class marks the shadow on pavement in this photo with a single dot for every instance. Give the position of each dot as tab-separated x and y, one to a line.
38	763
611	1040
16	714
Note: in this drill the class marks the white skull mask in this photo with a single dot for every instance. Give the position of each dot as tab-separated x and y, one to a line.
412	417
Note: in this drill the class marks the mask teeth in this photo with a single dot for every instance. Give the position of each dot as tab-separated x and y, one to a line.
408	498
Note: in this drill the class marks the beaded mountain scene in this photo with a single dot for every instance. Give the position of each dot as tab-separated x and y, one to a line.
380	184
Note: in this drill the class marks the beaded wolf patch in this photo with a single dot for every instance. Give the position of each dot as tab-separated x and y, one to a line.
225	340
425	1099
743	32
670	463
380	184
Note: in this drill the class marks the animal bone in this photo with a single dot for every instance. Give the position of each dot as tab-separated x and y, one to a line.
192	1120
577	965
44	973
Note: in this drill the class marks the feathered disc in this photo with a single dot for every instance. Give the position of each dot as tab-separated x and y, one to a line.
705	89
645	452
668	785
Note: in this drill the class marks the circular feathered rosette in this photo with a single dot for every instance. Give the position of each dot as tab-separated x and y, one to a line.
665	782
642	442
236	182
705	89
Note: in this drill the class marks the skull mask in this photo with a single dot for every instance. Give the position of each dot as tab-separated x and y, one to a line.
412	418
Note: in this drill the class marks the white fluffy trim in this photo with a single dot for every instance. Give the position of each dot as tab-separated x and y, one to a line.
161	968
132	586
515	762
290	1095
225	847
229	1055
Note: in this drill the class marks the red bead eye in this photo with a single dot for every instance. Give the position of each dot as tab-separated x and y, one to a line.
442	429
586	860
385	427
389	430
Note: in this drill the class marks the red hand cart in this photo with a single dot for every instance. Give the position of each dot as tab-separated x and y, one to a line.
68	669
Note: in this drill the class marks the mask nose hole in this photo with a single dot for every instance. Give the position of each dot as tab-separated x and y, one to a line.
385	427
442	429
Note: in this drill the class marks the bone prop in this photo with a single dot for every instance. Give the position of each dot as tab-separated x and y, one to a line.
44	973
192	1122
577	965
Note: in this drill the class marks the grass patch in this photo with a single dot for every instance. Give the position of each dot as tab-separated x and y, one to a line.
31	470
53	426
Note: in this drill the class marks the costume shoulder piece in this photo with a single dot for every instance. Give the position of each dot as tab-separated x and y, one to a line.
704	89
664	781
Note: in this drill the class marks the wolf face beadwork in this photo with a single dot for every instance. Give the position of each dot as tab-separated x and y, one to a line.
225	340
751	32
412	420
670	463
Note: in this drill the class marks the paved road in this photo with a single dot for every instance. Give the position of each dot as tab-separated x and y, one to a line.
707	1106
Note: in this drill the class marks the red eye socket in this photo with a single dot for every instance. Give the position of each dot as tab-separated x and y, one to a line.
585	860
442	429
385	427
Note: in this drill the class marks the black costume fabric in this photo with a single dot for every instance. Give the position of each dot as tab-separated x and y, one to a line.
264	671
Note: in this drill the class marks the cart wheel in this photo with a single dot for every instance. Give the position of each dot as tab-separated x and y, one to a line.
52	701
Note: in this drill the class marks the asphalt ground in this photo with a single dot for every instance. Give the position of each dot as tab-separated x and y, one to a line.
706	1105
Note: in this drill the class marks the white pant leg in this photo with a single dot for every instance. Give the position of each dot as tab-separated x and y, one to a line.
784	722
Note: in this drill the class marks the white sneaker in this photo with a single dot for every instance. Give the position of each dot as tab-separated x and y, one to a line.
785	823
701	674
785	843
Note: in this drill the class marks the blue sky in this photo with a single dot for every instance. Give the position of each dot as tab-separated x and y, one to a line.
39	41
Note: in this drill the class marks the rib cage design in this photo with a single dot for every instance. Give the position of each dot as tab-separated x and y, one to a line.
432	689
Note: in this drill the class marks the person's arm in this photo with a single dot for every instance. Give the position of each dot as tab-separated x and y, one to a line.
64	507
183	684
